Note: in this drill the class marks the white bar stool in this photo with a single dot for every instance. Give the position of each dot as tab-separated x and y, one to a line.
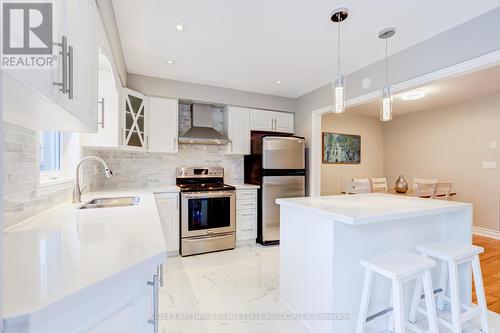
451	254
399	267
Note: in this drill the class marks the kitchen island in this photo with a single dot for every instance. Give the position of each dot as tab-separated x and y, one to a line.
322	240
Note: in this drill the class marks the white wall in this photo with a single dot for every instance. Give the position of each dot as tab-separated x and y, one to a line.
450	143
333	176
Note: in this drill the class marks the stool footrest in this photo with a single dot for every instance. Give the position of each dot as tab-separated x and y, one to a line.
379	314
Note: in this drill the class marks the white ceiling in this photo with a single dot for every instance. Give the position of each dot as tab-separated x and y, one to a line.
248	45
441	93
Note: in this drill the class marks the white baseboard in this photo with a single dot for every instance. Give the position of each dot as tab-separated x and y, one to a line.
486	232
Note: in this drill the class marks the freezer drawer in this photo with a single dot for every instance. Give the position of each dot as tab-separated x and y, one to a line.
274	187
283	152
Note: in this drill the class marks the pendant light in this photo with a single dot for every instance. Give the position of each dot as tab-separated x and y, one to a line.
386	103
338	84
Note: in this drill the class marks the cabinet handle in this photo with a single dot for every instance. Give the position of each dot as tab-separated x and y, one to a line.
247	214
154	320
70	74
64	57
102	112
147	141
175	143
161	275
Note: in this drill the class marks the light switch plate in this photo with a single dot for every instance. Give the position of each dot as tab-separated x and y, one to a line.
493	145
490	165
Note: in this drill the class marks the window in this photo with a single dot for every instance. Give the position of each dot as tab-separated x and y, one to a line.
50	151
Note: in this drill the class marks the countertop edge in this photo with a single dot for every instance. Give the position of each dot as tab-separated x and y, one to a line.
370	219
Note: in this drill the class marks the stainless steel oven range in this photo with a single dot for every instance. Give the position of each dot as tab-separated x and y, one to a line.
208	210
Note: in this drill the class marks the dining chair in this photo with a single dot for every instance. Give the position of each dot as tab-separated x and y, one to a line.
357	186
426	190
379	184
443	189
365	181
423	180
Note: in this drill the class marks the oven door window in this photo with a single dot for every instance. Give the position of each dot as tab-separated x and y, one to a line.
209	213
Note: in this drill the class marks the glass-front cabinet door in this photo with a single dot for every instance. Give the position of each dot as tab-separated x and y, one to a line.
135	119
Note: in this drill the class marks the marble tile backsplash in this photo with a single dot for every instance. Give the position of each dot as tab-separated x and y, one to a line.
185	118
23	197
143	169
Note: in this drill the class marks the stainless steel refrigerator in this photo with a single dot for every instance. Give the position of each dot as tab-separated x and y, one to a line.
277	164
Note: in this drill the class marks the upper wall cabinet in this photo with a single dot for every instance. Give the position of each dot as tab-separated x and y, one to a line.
274	121
163	128
134	119
237	129
63	97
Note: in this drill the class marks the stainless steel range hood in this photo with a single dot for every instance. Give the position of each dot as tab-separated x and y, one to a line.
201	131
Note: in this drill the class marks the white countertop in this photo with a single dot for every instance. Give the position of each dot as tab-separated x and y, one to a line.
371	207
166	189
245	186
52	256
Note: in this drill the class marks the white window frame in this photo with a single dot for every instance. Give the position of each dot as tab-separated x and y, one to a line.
69	154
50	175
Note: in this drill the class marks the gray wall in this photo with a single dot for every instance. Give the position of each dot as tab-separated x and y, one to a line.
199	92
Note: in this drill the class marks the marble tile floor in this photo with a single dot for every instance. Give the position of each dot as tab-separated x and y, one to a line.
208	289
240	282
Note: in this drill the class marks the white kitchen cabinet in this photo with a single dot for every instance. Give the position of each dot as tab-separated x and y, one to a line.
61	98
273	121
108	134
237	129
163	128
81	18
168	210
246	216
284	122
134	119
261	120
41	80
122	304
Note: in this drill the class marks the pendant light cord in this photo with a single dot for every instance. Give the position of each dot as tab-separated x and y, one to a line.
338	42
386	67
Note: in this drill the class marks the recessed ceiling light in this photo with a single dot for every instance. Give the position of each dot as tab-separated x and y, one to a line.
277	81
170	62
413	95
179	27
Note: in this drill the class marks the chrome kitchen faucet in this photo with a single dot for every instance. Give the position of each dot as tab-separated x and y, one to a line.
77	193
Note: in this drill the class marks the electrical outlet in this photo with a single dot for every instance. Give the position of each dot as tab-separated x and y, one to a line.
490	165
